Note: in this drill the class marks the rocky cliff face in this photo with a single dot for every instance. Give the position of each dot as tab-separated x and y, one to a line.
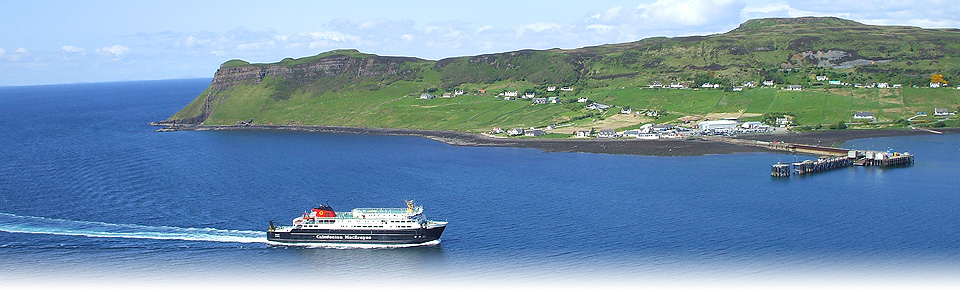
302	72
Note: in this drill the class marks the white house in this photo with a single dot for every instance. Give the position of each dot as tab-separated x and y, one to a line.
883	85
511	93
582	100
822	78
597	106
509	98
737	89
537	101
533	133
458	93
676	86
768	83
553	100
550	89
529	95
656	84
863	116
934	85
447	95
582	133
751	125
426	96
515	131
607	133
749	84
566	89
940	112
783	121
895	86
794	88
626	111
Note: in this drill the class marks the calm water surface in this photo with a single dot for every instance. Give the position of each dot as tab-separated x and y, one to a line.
86	184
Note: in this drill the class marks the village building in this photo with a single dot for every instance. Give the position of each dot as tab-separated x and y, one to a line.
661	128
533	133
509	98
751	125
717	125
676	86
537	101
582	100
482	91
529	95
426	96
566	89
883	85
458	93
896	86
940	112
607	133
597	106
655	84
749	84
837	83
626	111
863	116
551	89
511	93
794	88
553	100
737	89
822	78
768	83
934	85
582	133
447	95
515	131
783	121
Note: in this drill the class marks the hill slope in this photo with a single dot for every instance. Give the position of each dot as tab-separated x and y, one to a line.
349	88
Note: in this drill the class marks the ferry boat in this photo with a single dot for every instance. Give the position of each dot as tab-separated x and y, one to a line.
361	225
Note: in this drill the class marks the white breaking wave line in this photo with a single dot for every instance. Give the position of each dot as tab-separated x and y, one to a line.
40	225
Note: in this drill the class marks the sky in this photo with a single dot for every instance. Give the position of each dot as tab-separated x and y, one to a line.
55	42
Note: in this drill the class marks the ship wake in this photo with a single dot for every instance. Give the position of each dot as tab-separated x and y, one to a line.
12	223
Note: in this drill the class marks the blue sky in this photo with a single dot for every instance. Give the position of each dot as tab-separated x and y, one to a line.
49	42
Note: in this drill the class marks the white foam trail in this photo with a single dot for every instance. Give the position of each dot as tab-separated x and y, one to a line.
40	225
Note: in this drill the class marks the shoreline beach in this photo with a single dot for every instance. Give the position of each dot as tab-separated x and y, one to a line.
692	146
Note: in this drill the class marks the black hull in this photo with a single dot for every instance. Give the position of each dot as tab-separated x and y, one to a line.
399	237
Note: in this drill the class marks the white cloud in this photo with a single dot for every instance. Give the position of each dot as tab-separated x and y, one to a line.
536	27
687	13
21	50
2	51
484	28
600	27
72	49
257	45
116	50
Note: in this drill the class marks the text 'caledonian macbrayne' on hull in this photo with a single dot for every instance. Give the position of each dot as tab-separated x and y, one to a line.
361	225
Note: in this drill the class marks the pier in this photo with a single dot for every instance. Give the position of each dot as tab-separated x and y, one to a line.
826	163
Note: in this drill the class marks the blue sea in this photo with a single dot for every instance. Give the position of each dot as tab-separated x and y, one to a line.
90	194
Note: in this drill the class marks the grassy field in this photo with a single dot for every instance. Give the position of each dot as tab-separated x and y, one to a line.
398	106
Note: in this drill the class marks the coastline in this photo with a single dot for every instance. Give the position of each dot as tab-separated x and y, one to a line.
693	146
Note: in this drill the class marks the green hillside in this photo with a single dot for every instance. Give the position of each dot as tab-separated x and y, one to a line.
350	88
